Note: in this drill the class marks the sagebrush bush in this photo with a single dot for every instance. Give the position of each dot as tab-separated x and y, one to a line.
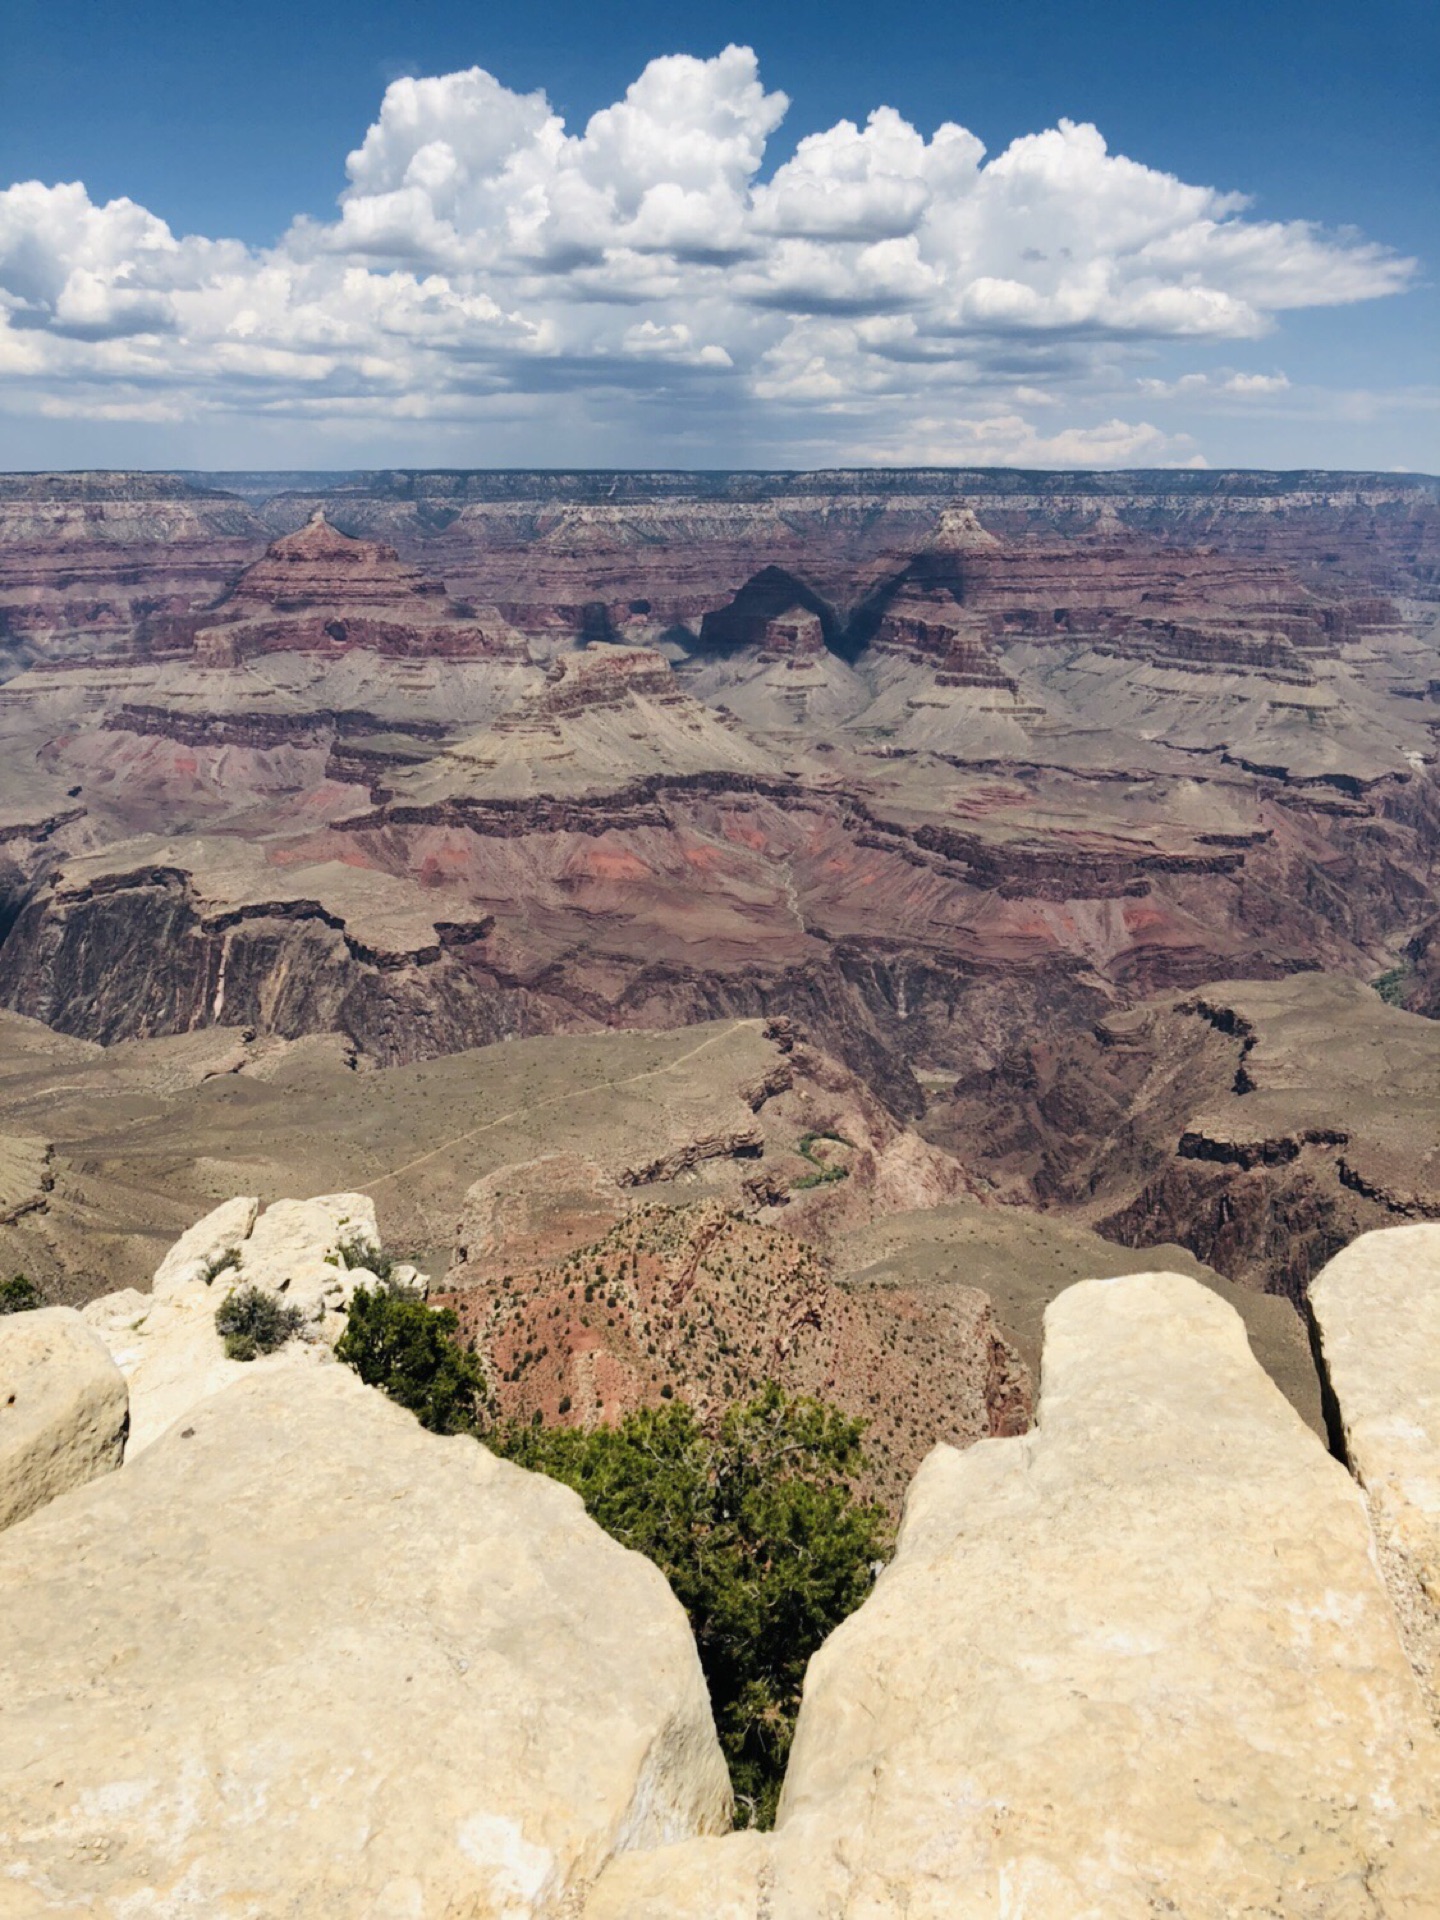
20	1295
359	1252
253	1322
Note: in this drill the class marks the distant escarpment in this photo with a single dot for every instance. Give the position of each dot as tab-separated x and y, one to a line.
906	944
941	764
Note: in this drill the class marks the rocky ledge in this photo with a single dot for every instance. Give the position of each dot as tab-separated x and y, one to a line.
1139	1661
301	1657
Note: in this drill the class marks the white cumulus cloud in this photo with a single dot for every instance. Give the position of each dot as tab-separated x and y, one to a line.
485	261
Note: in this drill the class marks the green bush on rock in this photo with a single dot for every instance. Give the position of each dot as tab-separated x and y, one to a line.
757	1529
754	1522
20	1295
359	1253
252	1322
408	1350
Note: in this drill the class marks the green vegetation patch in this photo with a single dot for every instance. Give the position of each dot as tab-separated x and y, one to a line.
753	1521
408	1350
825	1170
1391	984
357	1254
252	1322
20	1295
755	1526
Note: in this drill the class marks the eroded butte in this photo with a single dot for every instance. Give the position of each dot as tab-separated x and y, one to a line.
960	772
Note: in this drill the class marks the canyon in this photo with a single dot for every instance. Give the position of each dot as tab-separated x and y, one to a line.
947	768
962	945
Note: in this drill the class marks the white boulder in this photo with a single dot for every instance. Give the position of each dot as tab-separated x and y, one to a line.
297	1249
63	1409
166	1343
1377	1309
306	1659
173	1358
1137	1662
209	1250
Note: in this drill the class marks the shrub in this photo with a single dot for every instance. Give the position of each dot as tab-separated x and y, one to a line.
408	1350
757	1530
20	1295
220	1263
826	1171
253	1322
357	1252
1391	984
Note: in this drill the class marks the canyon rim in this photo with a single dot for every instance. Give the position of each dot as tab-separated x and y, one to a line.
720	963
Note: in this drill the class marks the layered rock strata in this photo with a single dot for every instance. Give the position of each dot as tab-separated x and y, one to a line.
1261	1124
319	591
89	557
930	761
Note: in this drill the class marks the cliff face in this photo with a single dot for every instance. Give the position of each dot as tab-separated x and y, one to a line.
1261	1125
934	762
89	559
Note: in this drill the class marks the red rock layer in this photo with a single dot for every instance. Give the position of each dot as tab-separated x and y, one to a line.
709	1305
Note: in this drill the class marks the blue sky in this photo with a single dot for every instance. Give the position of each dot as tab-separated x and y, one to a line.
719	271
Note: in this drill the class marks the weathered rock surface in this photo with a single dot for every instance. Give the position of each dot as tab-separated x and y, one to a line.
719	1879
1139	1661
202	1251
172	1357
63	1409
306	1659
165	1342
1376	1309
536	1210
298	1249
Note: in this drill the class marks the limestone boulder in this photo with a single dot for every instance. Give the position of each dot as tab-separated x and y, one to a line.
173	1358
165	1341
209	1250
713	1879
1139	1661
64	1409
305	1659
298	1248
1377	1309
